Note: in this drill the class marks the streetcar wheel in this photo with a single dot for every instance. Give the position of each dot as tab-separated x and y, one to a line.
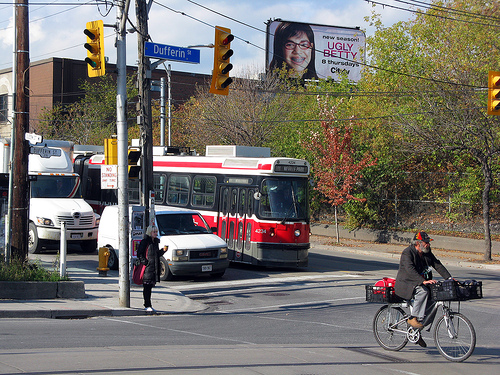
457	340
390	328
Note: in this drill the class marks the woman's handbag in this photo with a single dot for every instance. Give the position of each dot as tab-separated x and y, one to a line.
138	272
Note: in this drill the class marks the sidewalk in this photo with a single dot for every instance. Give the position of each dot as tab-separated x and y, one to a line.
103	292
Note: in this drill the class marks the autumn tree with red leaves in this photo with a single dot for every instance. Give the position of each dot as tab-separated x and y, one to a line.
335	166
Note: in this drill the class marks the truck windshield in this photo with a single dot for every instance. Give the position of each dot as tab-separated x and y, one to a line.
183	223
284	199
55	187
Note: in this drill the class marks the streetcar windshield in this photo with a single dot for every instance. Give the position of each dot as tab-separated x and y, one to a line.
56	187
284	199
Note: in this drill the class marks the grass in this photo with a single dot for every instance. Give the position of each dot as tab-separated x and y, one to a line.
18	270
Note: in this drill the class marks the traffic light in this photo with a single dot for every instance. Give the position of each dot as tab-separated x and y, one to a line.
111	151
133	158
222	53
95	48
494	93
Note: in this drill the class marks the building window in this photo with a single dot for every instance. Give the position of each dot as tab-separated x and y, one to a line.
4	107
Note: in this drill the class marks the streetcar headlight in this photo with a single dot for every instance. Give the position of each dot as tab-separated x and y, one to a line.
297	232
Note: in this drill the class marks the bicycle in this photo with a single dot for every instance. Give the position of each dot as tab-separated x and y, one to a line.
453	333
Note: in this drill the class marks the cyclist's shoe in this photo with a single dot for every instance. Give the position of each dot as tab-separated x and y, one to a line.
415	323
421	342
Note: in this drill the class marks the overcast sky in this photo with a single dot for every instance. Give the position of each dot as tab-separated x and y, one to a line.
56	27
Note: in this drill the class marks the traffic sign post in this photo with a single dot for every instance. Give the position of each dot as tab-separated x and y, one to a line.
166	52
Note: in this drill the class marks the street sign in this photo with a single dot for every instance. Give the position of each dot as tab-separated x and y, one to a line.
166	52
109	176
33	138
45	152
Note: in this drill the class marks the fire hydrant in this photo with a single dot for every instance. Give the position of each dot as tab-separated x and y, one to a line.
103	261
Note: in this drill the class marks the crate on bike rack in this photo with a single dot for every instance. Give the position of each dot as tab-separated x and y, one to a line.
444	291
381	294
469	289
451	290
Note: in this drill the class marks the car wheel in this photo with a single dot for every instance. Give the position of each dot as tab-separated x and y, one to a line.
34	243
165	273
112	260
89	246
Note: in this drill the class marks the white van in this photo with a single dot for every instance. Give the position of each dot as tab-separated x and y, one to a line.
193	249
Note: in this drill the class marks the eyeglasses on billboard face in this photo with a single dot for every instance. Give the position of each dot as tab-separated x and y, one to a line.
302	45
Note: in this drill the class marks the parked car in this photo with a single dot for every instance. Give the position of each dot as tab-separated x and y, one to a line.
193	249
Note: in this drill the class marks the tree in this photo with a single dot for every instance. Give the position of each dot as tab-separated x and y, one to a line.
336	166
90	120
431	70
248	116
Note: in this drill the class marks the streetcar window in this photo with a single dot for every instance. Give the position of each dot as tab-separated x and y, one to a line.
250	201
248	235
178	190
234	199
203	193
283	199
242	203
225	201
159	182
133	191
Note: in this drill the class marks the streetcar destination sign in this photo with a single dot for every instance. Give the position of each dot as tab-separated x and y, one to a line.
166	52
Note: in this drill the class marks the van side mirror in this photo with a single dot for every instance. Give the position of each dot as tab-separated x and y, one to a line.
214	229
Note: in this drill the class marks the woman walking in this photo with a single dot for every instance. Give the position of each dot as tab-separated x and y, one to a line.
149	254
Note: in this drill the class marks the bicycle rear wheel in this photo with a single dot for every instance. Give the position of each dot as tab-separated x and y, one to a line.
457	339
389	327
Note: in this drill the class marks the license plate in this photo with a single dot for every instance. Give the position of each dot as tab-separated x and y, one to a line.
206	268
76	236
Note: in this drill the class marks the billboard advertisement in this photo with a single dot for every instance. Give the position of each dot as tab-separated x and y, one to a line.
315	51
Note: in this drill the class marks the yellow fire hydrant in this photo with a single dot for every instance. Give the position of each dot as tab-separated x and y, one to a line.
103	261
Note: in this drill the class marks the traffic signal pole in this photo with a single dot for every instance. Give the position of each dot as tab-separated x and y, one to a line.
122	140
144	117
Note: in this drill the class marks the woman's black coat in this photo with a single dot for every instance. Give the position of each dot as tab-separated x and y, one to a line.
411	268
152	262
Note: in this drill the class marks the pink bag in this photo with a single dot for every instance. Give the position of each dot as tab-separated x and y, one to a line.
138	273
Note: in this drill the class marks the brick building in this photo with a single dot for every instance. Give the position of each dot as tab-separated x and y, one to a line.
57	80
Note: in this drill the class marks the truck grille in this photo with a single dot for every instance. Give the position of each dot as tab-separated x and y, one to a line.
203	254
80	220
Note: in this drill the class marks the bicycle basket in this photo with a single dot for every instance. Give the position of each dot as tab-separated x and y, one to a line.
451	290
469	289
381	294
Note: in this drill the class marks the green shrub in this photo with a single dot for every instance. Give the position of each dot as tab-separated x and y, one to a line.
18	270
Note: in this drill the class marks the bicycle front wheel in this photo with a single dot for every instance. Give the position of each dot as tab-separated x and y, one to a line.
456	339
389	327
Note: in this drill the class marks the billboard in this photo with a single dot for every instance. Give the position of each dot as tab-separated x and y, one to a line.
315	51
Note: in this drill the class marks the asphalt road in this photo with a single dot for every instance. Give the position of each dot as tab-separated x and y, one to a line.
314	321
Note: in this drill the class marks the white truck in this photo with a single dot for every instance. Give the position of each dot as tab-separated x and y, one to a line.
55	197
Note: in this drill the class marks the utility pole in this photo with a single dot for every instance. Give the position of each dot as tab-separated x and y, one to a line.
122	140
20	200
144	117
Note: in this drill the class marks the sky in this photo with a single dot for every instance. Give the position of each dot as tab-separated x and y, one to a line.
56	26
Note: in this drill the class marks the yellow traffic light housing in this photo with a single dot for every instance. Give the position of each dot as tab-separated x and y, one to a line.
133	158
494	93
220	74
111	151
95	48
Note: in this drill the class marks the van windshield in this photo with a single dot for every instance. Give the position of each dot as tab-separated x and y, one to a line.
55	187
182	223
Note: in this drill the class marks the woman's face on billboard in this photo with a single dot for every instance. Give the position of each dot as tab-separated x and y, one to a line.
297	51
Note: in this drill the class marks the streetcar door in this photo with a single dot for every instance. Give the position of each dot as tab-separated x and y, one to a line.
224	218
240	224
232	222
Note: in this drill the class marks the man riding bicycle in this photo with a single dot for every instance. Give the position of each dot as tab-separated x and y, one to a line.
414	274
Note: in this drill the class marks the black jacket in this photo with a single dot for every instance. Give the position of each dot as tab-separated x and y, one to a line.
152	262
411	268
